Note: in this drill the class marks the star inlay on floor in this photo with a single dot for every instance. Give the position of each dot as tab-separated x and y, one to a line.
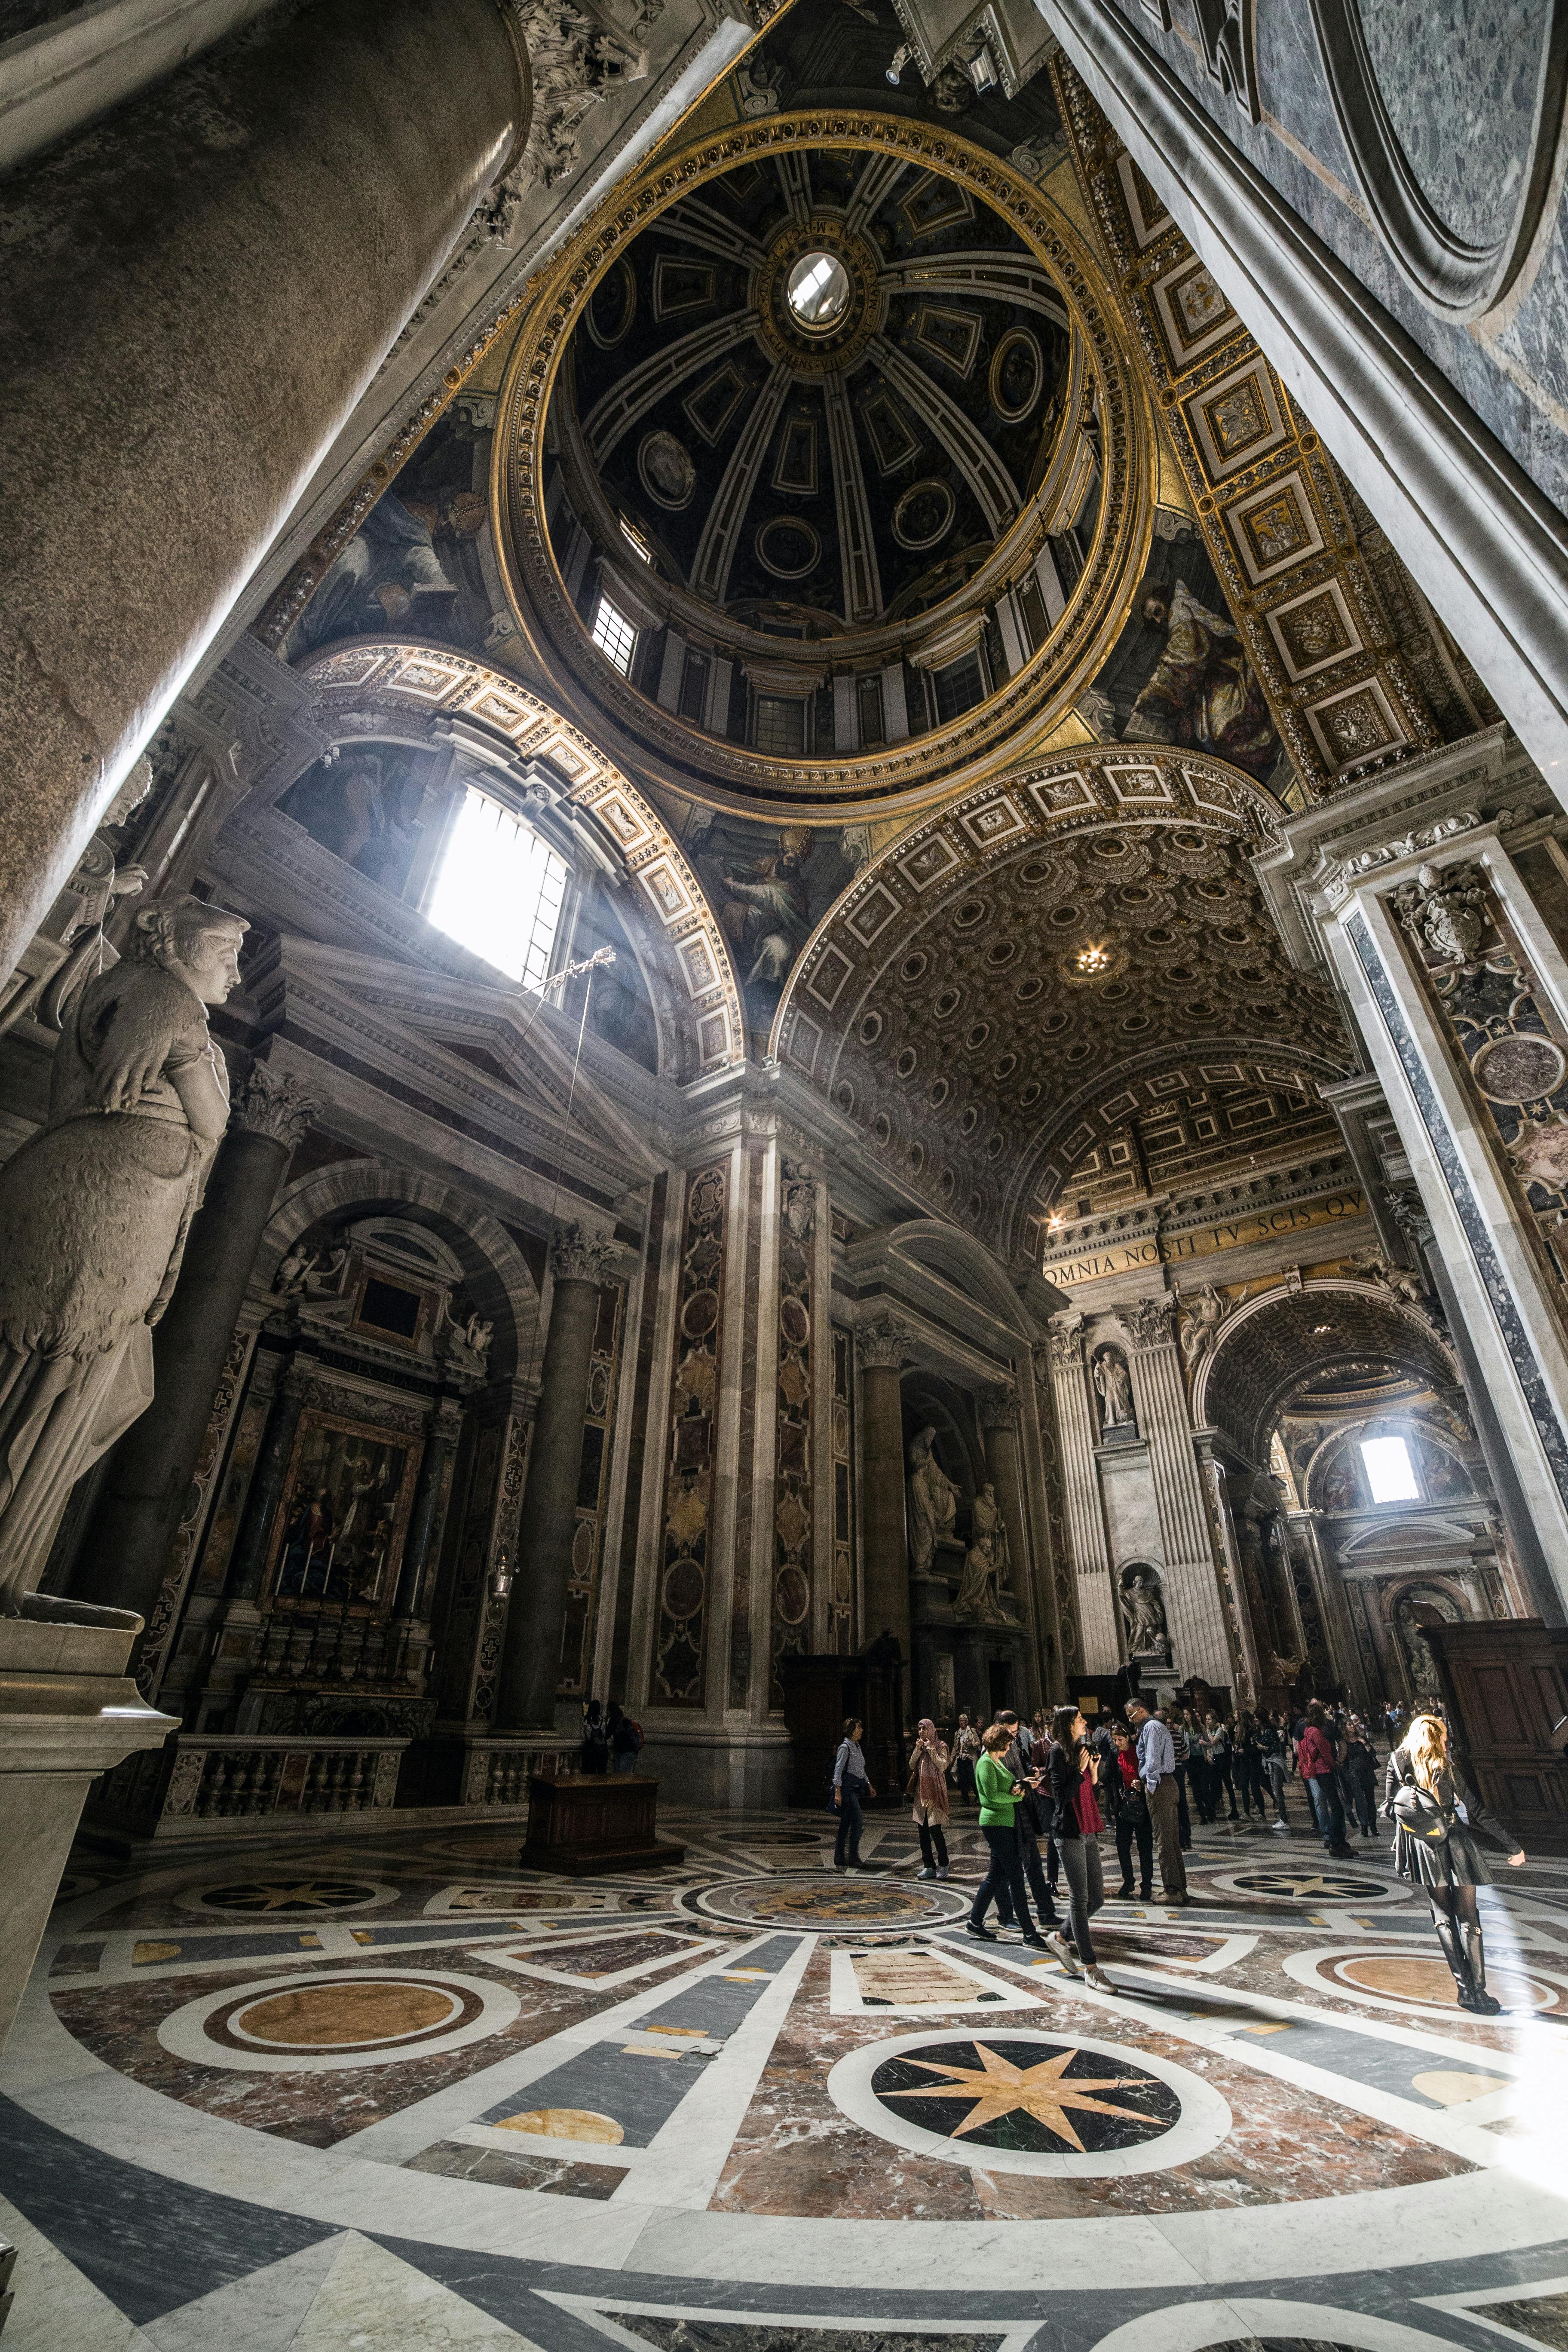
1002	2097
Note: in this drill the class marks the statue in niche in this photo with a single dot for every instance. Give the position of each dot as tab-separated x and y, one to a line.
933	1502
1115	1387
985	1563
95	1208
1148	1635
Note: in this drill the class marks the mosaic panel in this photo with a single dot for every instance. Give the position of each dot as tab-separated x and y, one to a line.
792	1445
680	1628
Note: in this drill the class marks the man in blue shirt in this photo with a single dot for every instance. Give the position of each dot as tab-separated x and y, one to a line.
1157	1770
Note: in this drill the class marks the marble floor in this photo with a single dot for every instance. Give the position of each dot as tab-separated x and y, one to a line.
389	2091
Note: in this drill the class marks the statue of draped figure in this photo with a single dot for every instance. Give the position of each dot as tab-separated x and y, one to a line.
95	1208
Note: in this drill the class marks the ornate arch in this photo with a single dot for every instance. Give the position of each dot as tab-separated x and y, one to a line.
1393	1329
421	693
499	1274
951	962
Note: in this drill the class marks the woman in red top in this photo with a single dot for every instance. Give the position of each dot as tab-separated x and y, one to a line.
1317	1753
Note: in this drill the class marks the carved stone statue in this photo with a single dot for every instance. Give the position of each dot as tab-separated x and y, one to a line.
1203	1312
1115	1388
95	1208
985	1563
933	1502
75	922
1445	908
1147	1633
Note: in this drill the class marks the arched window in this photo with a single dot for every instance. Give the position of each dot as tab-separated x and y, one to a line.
498	888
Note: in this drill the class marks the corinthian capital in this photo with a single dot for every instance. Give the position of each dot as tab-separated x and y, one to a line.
1150	1322
1000	1407
274	1104
885	1345
1064	1341
579	1256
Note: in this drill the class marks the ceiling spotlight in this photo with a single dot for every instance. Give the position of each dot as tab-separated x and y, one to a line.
898	60
1322	1331
1094	958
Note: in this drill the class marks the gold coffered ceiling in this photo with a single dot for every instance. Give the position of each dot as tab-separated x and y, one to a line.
942	1006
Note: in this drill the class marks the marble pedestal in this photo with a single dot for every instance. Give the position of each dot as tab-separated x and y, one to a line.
66	1713
586	1824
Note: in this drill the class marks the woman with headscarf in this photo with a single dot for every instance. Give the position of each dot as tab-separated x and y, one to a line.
1435	1813
927	1784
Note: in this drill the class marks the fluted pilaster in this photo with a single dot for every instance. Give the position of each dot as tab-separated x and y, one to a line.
1086	1544
1194	1609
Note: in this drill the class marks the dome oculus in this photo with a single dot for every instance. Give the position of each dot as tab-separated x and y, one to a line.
817	290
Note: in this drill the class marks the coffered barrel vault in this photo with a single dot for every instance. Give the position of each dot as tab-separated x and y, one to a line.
1002	989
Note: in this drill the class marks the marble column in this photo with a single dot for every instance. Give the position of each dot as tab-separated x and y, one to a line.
210	276
124	1553
248	1563
531	1657
1249	1676
1087	1541
883	1348
1393	917
1192	1604
422	1545
1001	1414
1540	1597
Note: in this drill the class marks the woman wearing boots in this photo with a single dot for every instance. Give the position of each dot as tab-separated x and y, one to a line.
927	1784
1433	1848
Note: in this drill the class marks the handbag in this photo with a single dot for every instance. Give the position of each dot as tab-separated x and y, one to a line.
1418	1813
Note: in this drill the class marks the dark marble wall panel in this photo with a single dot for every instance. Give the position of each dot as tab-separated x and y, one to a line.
1514	374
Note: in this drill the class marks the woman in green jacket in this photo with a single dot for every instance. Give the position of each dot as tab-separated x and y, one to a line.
999	1794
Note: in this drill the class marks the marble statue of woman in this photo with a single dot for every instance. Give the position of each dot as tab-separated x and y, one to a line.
933	1502
95	1208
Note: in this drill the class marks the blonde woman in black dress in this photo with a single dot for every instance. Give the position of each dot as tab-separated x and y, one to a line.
1436	1850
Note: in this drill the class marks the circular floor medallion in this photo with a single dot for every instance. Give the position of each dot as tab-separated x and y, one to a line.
1309	1884
817	1900
1017	2100
345	2016
1419	1978
317	2024
286	1898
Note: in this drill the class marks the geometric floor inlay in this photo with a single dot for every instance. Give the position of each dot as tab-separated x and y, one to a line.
1022	2100
372	2017
718	2084
1426	1978
814	1901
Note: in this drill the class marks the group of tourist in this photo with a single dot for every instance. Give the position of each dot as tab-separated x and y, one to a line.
1046	1790
1238	1765
610	1740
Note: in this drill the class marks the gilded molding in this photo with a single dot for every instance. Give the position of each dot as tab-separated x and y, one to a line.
1028	704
